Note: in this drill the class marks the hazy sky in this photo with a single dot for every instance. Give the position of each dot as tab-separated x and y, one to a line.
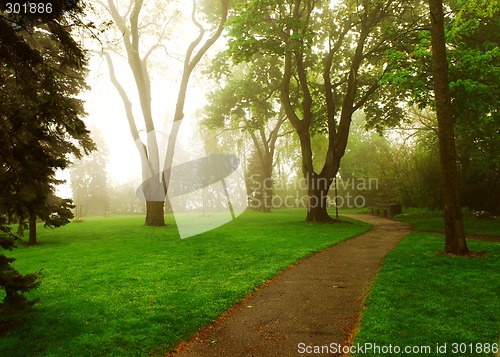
106	112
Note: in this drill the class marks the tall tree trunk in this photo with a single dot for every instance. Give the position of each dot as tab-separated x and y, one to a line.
454	226
318	188
317	185
267	184
318	214
155	213
32	228
265	148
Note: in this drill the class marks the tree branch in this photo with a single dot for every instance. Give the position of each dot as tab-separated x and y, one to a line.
189	65
285	92
151	50
143	151
134	25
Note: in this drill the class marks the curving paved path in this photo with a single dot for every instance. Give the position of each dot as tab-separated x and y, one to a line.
316	302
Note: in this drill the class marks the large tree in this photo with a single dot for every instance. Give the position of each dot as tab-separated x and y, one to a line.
42	70
133	22
453	220
458	61
332	57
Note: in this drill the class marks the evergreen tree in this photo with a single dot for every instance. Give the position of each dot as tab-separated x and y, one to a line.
42	69
14	284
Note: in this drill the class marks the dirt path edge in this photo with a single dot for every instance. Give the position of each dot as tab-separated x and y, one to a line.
315	303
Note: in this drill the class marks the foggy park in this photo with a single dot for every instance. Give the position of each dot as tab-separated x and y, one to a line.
249	178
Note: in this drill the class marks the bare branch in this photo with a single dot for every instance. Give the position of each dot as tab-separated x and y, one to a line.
196	59
189	65
366	96
230	129
285	133
123	94
196	42
151	50
117	18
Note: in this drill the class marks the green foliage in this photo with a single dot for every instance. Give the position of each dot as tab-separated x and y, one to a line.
331	58
473	55
474	68
253	32
247	101
475	78
406	171
41	73
483	8
116	287
248	105
370	156
14	284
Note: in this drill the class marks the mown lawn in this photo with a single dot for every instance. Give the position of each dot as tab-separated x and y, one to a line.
115	287
472	225
423	298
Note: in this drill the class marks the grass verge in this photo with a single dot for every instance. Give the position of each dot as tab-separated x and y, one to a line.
422	298
116	287
472	225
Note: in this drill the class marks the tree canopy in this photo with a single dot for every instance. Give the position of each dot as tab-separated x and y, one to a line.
249	102
332	57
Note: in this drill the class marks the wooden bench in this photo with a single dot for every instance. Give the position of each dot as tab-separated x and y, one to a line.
385	209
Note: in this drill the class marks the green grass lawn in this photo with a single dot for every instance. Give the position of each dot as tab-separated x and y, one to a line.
422	298
472	225
115	287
